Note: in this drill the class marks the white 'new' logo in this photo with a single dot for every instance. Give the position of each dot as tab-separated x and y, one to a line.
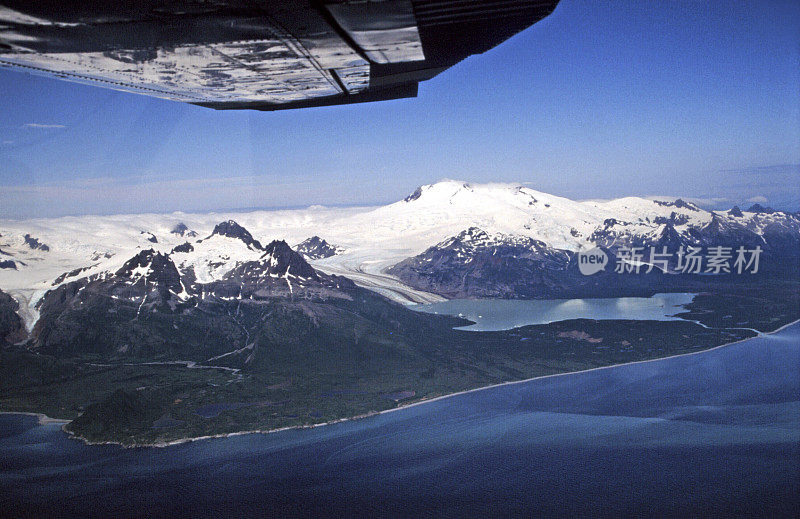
592	261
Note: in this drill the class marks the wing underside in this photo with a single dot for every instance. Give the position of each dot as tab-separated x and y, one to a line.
261	55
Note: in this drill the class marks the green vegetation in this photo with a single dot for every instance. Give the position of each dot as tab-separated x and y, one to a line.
349	364
766	306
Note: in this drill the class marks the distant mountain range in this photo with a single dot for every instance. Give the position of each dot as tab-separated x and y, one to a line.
452	238
475	263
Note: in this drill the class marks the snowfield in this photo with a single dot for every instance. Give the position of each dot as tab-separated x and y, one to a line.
373	238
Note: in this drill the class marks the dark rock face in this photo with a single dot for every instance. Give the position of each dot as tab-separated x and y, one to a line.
674	219
758	208
317	248
776	233
259	315
736	212
183	247
723	232
182	230
12	329
35	244
130	313
150	237
679	204
150	269
231	229
413	196
280	272
281	260
476	264
148	310
76	314
780	240
71	274
8	264
671	238
179	229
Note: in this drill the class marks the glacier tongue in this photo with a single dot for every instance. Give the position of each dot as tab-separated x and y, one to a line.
368	240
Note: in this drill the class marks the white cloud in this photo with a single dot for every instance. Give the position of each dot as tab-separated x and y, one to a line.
758	199
43	126
108	195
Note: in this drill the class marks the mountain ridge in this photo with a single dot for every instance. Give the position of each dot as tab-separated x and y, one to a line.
368	241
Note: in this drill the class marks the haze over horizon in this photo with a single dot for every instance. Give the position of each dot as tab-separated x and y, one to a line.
710	204
592	102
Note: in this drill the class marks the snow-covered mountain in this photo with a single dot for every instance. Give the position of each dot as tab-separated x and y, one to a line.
278	272
478	264
367	241
149	310
317	248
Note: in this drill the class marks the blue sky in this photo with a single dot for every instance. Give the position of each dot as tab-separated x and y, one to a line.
602	99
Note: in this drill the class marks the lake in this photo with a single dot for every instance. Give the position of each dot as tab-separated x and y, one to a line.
499	314
710	434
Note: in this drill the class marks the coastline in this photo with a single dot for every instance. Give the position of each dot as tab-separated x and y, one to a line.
44	419
513	382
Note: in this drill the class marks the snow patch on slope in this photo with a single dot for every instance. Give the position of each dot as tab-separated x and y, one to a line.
371	239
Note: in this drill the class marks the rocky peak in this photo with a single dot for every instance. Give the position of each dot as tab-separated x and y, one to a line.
736	212
282	261
758	208
669	237
183	247
724	231
608	223
12	328
231	229
474	242
180	229
472	234
317	248
280	271
35	244
152	267
714	226
678	204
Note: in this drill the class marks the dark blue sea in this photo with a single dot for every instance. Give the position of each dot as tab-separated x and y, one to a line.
715	434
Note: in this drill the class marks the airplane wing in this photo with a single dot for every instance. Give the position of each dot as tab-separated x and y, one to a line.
263	55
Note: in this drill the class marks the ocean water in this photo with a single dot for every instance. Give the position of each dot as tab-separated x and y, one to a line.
715	434
498	314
